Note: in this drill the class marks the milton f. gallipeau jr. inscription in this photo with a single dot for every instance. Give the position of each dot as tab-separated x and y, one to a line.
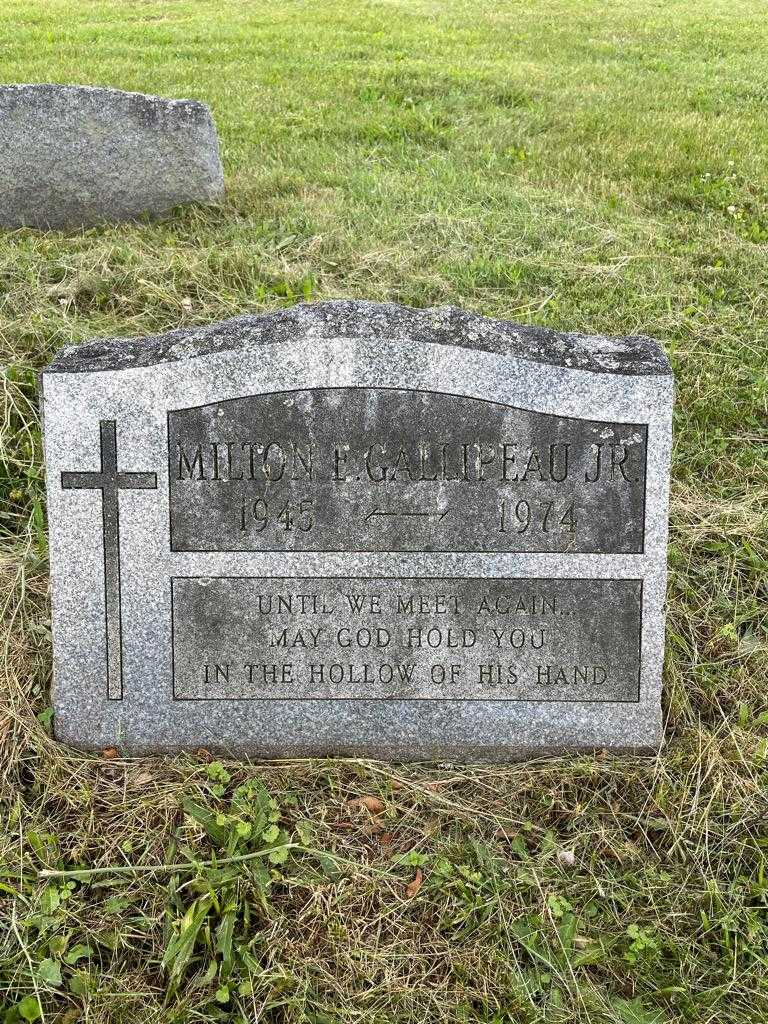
389	469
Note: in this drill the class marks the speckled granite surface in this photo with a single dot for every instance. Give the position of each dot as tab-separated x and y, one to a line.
316	321
73	156
359	529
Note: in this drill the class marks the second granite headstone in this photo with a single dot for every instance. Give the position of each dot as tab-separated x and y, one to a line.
359	529
73	156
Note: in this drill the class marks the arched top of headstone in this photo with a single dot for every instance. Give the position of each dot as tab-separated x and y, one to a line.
353	319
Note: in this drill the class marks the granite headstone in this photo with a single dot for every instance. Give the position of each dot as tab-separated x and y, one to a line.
357	529
75	156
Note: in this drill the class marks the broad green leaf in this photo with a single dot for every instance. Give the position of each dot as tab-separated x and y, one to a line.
224	934
29	1008
49	971
632	1011
179	950
278	856
77	953
51	899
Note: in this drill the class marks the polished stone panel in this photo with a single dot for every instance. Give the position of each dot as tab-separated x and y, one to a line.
409	470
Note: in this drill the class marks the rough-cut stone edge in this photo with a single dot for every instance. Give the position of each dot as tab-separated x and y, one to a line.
635	355
139	103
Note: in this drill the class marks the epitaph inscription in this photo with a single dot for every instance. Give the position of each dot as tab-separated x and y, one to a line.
406	639
384	469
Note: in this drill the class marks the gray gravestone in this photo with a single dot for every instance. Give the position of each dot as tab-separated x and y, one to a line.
73	156
359	529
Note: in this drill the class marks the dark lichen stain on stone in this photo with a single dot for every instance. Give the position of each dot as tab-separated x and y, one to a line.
633	356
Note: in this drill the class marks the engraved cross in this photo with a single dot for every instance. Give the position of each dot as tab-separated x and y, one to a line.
109	481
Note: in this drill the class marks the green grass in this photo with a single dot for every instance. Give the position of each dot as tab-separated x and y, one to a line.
600	166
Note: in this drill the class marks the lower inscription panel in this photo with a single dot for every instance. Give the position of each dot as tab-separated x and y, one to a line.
440	639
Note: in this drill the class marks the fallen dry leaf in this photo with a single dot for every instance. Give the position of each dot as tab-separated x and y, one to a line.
566	857
371	803
385	838
414	886
504	833
109	753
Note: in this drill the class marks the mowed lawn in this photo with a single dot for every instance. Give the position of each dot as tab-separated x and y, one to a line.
598	166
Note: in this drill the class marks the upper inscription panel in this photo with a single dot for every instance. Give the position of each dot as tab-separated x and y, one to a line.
384	469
